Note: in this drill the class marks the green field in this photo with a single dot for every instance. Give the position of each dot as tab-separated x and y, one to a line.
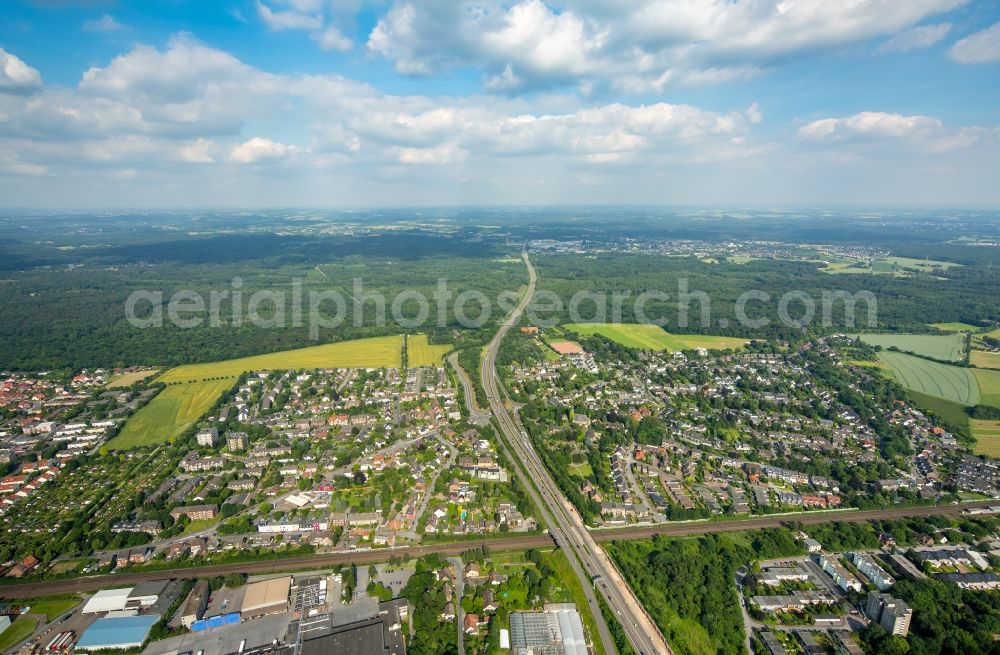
421	353
989	386
170	413
377	352
987	434
653	337
955	327
52	607
933	378
19	630
939	346
896	266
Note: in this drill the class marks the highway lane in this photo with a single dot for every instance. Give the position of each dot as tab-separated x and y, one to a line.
590	563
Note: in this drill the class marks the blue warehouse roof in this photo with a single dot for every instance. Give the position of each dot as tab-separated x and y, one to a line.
118	632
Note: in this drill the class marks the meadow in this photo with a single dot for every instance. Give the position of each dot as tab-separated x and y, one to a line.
987	434
653	337
955	326
421	353
933	378
896	266
375	352
170	413
18	631
939	346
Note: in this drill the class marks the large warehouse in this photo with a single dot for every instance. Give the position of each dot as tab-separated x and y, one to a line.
117	633
266	597
107	600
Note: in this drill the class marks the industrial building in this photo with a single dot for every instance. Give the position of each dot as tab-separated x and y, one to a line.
557	629
117	633
376	635
266	597
107	600
194	607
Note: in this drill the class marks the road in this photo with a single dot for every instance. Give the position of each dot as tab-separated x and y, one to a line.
588	560
459	592
476	415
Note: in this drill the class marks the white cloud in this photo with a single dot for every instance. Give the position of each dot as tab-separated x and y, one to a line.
869	124
17	76
259	149
636	47
915	39
293	19
979	48
447	153
104	24
332	39
198	151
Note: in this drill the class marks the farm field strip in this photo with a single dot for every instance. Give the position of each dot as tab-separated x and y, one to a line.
653	337
955	326
939	346
128	379
933	378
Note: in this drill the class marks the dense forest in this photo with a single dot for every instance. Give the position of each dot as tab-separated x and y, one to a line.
66	278
689	588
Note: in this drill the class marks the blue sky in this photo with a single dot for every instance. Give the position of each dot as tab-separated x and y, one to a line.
352	103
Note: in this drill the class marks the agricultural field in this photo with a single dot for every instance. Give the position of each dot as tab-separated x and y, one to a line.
376	352
989	386
939	346
170	413
895	266
421	353
987	434
128	379
984	359
956	326
653	337
933	378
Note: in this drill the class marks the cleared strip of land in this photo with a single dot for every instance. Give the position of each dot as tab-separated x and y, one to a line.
933	378
128	379
653	337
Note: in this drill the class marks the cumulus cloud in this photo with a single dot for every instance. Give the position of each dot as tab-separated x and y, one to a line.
636	47
915	39
288	20
914	135
332	39
104	24
979	48
16	76
259	149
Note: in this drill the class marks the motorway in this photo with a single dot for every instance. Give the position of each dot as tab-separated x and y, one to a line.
589	561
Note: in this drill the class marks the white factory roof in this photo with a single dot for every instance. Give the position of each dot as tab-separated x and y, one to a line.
107	600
